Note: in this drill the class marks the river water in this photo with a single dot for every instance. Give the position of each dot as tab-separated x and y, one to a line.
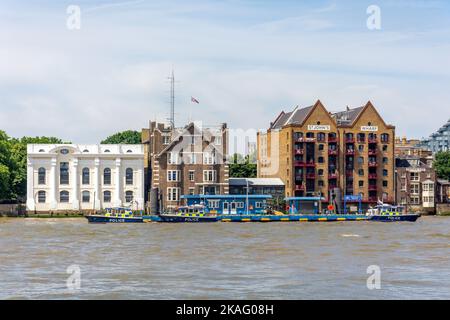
297	260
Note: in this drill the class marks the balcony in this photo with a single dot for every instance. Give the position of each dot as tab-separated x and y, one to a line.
350	152
372	152
361	140
299	163
372	175
310	164
310	176
349	173
349	140
373	164
372	187
372	140
298	177
299	151
332	139
303	139
299	187
332	152
332	176
372	199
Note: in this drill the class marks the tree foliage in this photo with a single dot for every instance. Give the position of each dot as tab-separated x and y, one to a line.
242	167
442	165
125	137
13	164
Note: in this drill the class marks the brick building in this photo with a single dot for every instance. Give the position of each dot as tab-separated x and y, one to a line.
416	183
182	161
314	151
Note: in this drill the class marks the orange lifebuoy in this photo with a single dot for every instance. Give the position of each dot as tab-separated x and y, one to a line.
330	207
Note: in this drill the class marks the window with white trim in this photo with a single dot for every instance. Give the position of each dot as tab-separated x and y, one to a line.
166	139
239	205
213	204
172	158
209	175
173	194
208	158
191	175
173	175
218	140
258	205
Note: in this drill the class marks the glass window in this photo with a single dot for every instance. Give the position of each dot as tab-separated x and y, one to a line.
385	172
384	137
320	159
385	183
385	160
85	176
361	183
41	197
129	176
128	196
41	176
361	148
385	147
321	147
320	172
361	172
107	176
85	196
107	196
321	136
191	175
64	196
64	173
360	160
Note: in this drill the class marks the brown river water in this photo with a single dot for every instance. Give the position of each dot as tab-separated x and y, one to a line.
295	260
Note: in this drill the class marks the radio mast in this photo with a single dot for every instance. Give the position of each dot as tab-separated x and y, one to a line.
172	100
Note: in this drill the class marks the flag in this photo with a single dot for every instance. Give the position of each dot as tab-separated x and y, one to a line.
194	100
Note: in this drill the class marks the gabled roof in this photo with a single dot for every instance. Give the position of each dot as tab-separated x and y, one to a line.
296	117
350	116
206	134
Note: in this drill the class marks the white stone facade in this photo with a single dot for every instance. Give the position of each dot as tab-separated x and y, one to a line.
70	177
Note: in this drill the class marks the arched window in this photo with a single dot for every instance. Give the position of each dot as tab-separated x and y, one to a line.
310	134
385	137
107	196
107	151
107	176
85	179
41	197
86	196
129	151
128	196
41	176
129	176
64	173
64	196
321	136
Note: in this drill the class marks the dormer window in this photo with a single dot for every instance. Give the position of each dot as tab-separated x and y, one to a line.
64	151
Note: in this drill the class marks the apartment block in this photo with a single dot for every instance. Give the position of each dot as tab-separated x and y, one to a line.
416	183
185	161
315	152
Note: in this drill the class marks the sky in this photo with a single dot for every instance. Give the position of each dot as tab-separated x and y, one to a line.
243	60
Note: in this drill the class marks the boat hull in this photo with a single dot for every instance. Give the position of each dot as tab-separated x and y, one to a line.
394	218
103	219
178	219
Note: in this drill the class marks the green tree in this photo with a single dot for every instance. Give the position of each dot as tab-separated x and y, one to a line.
442	165
241	167
125	137
4	182
13	164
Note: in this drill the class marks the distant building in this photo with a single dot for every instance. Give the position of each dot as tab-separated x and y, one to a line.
410	147
443	191
315	152
185	161
438	141
71	177
416	183
261	186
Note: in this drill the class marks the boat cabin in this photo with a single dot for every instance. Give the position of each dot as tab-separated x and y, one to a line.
230	204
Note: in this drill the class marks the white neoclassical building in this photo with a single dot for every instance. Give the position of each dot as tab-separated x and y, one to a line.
68	177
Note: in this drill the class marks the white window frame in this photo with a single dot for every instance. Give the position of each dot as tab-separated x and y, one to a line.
191	172
165	139
214	204
173	158
208	158
209	175
170	175
173	194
